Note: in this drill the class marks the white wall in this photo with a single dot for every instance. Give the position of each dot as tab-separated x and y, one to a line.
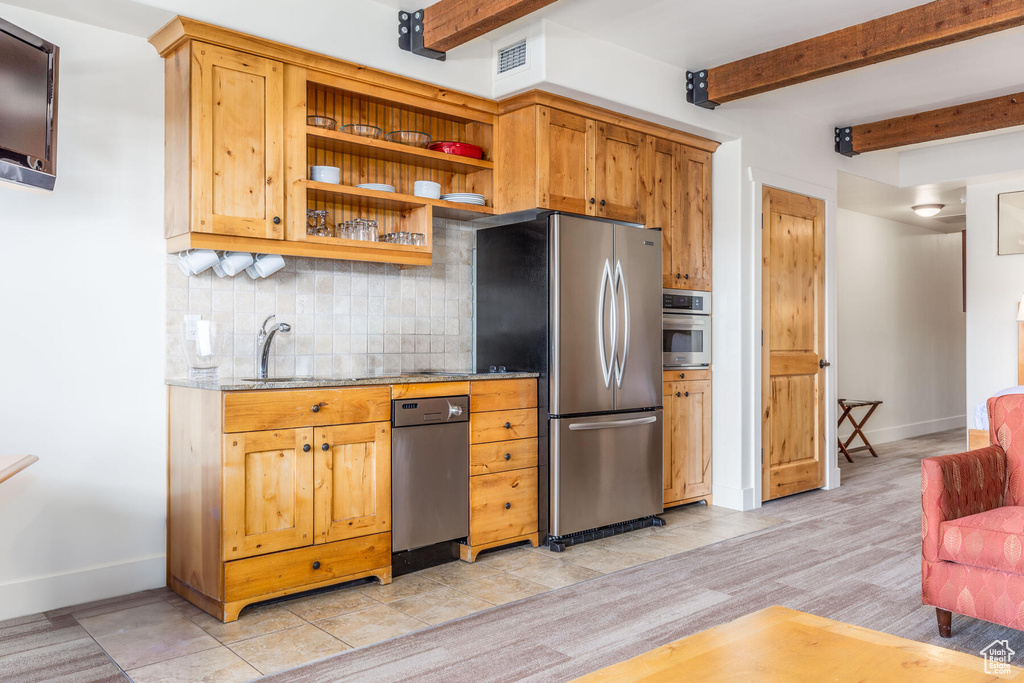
81	292
994	287
901	325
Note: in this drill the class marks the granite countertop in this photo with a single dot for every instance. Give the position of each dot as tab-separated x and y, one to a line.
234	384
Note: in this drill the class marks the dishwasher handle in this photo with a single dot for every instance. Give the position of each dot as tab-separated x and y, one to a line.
584	426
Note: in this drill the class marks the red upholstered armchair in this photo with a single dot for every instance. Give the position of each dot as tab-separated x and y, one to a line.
972	525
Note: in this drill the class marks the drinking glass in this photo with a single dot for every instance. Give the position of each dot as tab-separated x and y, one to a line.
204	342
419	239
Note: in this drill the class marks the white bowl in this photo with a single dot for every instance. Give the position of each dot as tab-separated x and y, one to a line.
427	188
325	174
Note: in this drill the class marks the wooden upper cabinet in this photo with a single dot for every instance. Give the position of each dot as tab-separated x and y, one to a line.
268	496
238	142
352	481
679	203
565	149
619	162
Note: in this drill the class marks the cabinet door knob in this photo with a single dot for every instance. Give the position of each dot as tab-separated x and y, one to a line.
325	447
316	565
508	456
686	277
306	448
603	202
682	375
318	406
508	425
277	220
508	506
678	275
678	394
592	200
685	393
823	363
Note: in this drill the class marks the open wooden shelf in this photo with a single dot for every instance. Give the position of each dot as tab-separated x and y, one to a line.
312	247
375	199
346	143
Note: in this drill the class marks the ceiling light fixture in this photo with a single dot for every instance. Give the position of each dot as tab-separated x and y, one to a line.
927	210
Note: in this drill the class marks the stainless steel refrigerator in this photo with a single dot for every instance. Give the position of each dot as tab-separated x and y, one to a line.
579	300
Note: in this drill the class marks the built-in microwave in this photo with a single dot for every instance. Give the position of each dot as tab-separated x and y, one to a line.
686	328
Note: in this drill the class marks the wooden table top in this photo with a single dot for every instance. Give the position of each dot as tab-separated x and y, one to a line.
778	644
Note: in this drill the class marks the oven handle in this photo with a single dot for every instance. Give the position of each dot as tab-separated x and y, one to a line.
684	324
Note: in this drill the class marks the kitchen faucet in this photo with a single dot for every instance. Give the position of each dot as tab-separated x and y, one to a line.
263	340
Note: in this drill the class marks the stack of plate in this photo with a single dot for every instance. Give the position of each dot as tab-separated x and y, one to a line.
464	198
380	187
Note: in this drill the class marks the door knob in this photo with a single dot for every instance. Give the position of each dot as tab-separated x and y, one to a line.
508	425
686	393
508	456
823	363
603	202
508	506
592	200
686	277
325	447
678	394
316	565
277	220
318	406
306	448
678	275
682	375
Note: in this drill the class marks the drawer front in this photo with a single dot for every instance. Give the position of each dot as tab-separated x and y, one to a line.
502	394
502	456
250	411
677	375
428	389
268	573
502	425
502	505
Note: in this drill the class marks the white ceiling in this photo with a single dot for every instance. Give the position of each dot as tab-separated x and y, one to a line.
893	203
124	16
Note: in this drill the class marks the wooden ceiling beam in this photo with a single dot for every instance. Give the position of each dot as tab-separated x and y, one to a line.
924	27
937	124
450	23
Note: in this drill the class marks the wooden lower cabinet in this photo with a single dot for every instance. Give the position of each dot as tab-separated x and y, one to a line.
687	449
254	515
503	465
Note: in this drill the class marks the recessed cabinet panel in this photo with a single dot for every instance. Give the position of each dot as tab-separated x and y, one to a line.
620	155
268	501
238	158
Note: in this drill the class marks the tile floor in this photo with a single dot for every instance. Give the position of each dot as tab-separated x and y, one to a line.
156	636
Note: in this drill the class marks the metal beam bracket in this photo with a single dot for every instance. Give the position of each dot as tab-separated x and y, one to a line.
697	89
844	142
410	35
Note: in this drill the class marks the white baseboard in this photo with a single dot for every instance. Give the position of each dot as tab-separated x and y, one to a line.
734	499
907	431
41	593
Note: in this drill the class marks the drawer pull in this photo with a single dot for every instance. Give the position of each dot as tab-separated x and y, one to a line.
508	425
682	375
318	406
316	565
325	447
508	506
508	456
306	448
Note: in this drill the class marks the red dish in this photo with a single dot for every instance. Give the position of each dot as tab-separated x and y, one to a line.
462	149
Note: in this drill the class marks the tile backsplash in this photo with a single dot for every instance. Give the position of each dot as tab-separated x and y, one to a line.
348	318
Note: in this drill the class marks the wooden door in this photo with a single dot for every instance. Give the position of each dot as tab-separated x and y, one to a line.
352	481
691	248
687	462
238	140
620	156
565	152
664	205
268	497
793	325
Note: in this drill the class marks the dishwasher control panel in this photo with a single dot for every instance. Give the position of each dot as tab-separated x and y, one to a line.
434	410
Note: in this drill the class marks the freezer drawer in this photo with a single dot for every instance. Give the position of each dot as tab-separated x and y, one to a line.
605	469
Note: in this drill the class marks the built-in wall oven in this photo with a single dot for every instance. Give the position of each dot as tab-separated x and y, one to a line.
686	328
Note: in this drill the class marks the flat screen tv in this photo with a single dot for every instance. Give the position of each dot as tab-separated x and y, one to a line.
28	107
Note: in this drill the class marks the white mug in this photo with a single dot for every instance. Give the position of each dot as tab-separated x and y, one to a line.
427	188
195	261
325	174
234	262
266	265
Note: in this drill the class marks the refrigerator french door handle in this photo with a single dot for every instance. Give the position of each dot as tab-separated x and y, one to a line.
620	367
585	426
606	360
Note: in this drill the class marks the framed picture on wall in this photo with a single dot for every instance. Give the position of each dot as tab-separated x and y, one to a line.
1011	223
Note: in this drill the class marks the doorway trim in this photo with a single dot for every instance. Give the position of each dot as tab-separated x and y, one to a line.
757	179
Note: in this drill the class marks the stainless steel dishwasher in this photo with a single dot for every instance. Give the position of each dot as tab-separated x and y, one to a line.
429	471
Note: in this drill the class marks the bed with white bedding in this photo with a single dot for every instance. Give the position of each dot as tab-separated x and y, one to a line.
981	411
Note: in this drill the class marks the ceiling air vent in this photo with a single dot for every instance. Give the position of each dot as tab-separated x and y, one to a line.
512	57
